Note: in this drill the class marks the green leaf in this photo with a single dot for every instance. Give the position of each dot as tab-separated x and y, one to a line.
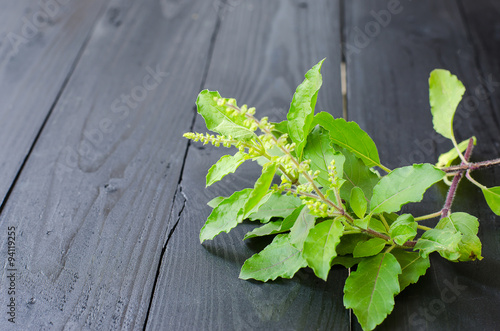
469	246
346	261
445	242
276	226
349	242
265	230
278	205
403	185
215	202
320	151
279	259
403	229
390	217
300	229
356	174
260	189
363	222
320	244
290	220
281	128
226	165
445	93
492	196
358	202
370	290
461	222
370	222
217	119
225	216
446	159
377	225
301	113
369	248
350	136
412	266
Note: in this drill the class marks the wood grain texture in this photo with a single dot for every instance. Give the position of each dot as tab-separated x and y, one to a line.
388	97
261	54
110	201
483	30
93	202
39	45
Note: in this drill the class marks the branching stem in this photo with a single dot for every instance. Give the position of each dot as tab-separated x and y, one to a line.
454	184
293	159
471	166
319	194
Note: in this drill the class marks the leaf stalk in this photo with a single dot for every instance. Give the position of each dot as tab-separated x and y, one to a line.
429	216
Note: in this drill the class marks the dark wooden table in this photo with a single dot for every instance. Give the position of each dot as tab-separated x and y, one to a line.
107	198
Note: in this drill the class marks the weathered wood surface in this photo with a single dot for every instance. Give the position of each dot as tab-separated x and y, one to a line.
388	97
110	201
92	203
40	42
260	55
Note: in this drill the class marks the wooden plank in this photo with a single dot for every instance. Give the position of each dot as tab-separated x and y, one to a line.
91	206
261	54
483	33
388	96
39	45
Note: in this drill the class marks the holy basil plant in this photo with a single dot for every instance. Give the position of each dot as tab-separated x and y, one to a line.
331	207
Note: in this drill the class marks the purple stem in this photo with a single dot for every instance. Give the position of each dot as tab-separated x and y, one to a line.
472	166
454	184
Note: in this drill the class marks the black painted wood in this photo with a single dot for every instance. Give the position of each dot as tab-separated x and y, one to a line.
40	42
110	201
261	54
388	96
91	206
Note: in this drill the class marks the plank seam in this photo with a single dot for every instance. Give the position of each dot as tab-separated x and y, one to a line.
343	61
345	109
52	107
179	183
164	248
477	62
